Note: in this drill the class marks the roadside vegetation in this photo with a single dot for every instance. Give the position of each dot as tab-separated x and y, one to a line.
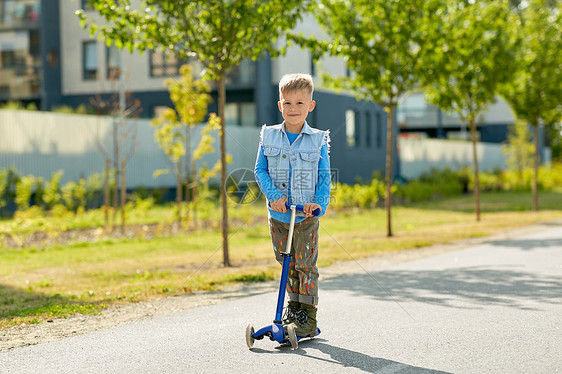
41	281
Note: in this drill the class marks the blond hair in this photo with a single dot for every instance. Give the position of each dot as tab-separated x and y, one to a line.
296	82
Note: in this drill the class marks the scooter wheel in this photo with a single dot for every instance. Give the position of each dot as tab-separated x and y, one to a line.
292	336
250	336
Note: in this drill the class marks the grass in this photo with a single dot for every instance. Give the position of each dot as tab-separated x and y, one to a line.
38	284
34	219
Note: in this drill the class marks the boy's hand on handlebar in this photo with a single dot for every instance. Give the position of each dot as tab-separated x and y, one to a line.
309	208
279	205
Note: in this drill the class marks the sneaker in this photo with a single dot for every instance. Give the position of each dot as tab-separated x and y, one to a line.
305	323
291	312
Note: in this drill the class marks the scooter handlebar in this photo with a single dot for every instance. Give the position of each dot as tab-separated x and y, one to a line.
300	208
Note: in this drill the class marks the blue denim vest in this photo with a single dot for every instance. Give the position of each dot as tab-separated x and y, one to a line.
302	156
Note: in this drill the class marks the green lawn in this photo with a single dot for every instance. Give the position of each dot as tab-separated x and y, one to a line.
43	283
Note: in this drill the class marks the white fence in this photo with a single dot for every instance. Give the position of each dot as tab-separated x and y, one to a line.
40	143
420	155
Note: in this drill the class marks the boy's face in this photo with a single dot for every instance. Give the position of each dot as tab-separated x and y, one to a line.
295	106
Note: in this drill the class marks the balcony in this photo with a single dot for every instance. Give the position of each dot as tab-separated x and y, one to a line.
19	14
20	82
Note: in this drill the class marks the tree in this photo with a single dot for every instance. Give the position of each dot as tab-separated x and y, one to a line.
384	44
474	56
220	33
120	106
535	90
519	150
174	129
555	137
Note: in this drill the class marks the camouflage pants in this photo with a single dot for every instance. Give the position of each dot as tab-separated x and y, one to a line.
302	284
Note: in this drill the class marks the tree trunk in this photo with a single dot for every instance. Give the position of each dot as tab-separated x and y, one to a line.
123	193
475	161
535	186
388	195
194	191
222	101
116	170
106	194
187	171
179	183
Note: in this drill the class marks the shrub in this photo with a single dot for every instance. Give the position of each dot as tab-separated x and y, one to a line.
8	181
24	189
416	191
445	182
33	212
550	178
74	195
39	189
341	196
17	105
490	182
93	186
59	211
3	187
356	196
52	194
431	185
67	192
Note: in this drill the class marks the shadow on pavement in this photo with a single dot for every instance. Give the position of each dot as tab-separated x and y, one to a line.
473	285
527	244
350	359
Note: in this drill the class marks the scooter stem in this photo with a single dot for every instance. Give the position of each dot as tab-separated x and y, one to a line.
291	228
285	271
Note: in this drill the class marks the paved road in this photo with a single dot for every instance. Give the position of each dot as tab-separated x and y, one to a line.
492	308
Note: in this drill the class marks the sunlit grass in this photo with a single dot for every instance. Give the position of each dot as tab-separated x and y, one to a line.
37	284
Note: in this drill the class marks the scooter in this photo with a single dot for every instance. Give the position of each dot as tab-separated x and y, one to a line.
276	331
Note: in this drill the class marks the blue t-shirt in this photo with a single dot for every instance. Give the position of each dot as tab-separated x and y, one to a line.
292	137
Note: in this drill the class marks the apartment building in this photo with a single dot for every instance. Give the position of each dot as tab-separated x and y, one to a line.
46	58
418	117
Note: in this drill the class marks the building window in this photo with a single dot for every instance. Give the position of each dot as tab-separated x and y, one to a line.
14	13
113	62
248	114
231	114
20	64
350	128
167	64
89	60
368	129
164	64
158	110
240	114
86	5
244	73
378	118
357	129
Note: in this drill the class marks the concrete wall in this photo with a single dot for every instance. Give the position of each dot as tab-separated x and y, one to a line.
420	155
40	143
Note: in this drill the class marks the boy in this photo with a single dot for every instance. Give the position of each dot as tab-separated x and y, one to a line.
293	166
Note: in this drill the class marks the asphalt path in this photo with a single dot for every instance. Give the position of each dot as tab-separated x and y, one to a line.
492	308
